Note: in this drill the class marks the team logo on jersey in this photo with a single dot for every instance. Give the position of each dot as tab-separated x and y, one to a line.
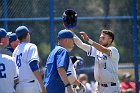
103	57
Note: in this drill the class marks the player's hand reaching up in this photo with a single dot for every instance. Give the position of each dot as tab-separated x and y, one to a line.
84	36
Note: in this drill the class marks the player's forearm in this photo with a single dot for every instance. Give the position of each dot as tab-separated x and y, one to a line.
39	78
99	47
80	44
63	75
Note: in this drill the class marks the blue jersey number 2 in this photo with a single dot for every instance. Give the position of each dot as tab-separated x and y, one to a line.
18	60
2	69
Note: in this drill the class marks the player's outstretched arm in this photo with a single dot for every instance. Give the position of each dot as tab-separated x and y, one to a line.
98	46
80	44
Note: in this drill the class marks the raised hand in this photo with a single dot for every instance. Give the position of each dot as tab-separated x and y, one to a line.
84	36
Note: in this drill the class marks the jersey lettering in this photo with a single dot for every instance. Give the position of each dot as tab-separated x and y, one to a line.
105	66
18	60
2	69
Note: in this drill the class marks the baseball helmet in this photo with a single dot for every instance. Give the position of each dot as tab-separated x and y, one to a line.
69	18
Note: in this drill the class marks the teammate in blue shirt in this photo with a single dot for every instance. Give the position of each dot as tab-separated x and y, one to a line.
56	79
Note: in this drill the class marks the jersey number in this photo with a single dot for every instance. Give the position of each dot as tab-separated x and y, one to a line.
2	69
18	60
105	65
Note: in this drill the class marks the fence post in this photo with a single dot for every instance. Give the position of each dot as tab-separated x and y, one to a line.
51	23
135	44
5	15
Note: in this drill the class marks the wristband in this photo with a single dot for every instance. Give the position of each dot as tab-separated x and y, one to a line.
67	85
90	41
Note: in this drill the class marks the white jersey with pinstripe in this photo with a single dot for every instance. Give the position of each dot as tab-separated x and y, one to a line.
24	54
106	67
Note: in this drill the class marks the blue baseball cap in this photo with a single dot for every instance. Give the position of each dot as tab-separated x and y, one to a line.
12	37
4	33
21	30
65	34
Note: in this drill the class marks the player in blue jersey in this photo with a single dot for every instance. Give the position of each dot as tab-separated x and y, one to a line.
56	79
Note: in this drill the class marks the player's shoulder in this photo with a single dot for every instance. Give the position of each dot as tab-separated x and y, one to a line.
26	44
6	58
60	49
114	52
32	45
113	48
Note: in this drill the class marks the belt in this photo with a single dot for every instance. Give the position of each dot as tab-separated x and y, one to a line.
106	85
32	81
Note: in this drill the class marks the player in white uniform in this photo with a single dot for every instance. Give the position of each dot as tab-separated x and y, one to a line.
8	74
8	70
27	59
106	61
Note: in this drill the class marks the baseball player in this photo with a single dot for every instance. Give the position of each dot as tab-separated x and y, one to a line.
56	78
8	74
26	57
13	42
70	21
8	69
4	41
106	60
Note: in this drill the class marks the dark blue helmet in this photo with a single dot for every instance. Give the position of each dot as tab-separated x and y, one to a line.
70	18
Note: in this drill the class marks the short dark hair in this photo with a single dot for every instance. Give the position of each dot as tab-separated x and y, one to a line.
110	33
22	37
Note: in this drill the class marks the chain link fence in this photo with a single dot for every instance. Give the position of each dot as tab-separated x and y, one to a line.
91	18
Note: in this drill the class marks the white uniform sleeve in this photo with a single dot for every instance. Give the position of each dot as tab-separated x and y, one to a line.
32	54
114	54
91	51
